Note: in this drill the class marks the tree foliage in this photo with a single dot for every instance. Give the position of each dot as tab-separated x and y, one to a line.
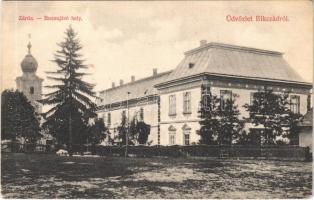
123	129
139	131
220	123
18	117
230	126
272	111
96	132
207	112
71	99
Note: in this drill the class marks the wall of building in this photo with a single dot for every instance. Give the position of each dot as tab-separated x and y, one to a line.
179	136
25	82
179	120
245	95
150	112
180	116
306	138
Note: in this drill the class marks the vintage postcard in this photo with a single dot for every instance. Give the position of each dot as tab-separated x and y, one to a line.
156	99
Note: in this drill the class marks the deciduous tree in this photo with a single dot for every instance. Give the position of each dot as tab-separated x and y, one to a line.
271	110
18	117
123	129
229	125
139	131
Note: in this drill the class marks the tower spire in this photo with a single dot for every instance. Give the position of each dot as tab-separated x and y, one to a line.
29	46
29	63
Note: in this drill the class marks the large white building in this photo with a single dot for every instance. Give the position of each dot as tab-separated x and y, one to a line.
169	101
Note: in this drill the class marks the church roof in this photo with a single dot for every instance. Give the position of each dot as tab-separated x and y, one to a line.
137	89
236	61
29	63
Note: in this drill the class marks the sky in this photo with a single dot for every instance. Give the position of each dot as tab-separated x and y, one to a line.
126	38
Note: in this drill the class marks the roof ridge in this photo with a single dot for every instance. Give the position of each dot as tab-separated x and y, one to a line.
236	61
137	81
232	47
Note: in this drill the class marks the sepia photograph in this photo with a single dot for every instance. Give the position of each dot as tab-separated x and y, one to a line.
156	99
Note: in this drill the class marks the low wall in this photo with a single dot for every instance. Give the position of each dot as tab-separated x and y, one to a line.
284	152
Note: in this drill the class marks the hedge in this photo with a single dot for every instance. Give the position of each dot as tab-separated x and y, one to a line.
284	151
288	152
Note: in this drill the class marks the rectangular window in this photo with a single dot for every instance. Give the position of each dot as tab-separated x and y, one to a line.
206	98
295	104
172	137
252	98
172	105
109	119
187	102
31	90
186	135
141	114
225	95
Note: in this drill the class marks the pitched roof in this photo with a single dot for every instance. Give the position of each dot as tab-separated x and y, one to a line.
137	89
231	60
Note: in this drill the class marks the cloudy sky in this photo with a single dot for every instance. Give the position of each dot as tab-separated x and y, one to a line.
121	39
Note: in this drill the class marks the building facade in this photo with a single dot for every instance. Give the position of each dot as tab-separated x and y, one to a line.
306	130
29	83
226	69
136	99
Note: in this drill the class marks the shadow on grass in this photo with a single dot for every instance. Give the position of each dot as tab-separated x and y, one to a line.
50	176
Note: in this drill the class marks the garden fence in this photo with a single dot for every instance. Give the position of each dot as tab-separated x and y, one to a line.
288	152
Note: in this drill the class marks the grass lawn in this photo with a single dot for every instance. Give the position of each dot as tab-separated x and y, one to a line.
50	176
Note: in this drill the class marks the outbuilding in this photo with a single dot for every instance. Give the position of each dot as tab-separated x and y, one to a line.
306	129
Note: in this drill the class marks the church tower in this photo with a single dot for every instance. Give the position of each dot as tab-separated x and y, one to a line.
29	83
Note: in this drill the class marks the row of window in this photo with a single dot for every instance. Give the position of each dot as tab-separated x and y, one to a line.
186	103
141	116
186	137
224	96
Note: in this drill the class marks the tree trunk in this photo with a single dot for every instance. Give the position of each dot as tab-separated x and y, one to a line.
70	134
126	144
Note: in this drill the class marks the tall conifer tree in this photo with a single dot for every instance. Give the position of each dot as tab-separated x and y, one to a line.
71	100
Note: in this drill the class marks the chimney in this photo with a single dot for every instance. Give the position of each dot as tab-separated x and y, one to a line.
132	78
121	82
154	71
203	42
113	85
